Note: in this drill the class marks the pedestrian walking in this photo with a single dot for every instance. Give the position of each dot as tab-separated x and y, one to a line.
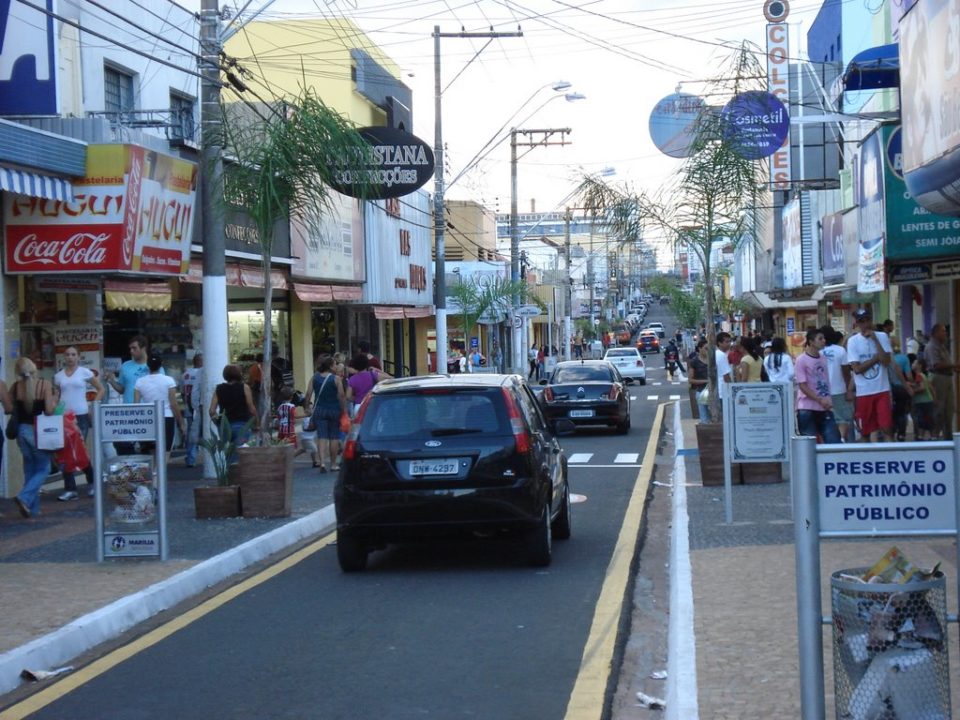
234	399
900	390
192	384
814	400
71	384
841	386
329	403
30	397
697	380
750	368
724	372
125	380
778	363
924	411
157	387
532	358
869	351
942	369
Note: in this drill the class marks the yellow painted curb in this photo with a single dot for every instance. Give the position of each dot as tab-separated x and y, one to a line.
589	691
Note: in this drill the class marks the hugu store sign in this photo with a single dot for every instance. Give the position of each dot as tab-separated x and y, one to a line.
133	212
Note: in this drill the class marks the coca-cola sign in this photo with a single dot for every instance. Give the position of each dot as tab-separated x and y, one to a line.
133	212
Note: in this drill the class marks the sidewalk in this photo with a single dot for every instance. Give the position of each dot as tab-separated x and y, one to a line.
51	576
744	596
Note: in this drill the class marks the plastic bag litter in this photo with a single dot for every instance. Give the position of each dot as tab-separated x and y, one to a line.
658	675
648	701
38	675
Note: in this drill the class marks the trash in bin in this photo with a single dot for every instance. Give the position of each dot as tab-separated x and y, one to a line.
890	654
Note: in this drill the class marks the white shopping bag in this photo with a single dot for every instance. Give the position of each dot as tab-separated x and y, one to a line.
49	432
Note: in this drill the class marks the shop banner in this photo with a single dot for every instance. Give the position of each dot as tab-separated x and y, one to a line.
792	245
87	339
913	232
133	212
332	250
870	277
831	248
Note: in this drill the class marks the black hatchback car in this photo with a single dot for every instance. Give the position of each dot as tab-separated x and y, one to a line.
440	455
587	392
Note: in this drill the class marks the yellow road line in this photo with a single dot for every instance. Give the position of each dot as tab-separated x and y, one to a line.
85	674
587	697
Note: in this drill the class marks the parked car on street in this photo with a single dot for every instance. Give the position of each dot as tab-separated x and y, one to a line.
587	392
434	456
629	362
648	341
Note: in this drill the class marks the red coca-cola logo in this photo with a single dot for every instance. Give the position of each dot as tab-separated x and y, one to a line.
81	250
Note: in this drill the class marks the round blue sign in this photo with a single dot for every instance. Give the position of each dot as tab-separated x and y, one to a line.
755	123
895	152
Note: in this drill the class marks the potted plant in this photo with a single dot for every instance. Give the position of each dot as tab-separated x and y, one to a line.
223	499
265	477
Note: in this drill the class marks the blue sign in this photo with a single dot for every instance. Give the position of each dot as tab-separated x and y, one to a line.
28	64
474	342
756	124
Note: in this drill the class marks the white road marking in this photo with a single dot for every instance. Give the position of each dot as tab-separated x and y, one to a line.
674	397
653	397
598	467
580	458
626	457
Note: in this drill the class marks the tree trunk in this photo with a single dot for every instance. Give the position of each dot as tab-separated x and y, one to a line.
266	381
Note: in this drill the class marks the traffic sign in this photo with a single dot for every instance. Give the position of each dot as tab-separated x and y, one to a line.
517	323
528	311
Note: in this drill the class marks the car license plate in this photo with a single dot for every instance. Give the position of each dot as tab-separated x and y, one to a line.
581	413
445	466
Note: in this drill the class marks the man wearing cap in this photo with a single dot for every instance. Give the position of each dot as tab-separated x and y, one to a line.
942	369
869	353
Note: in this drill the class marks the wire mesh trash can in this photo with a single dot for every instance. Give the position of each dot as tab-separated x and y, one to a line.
890	648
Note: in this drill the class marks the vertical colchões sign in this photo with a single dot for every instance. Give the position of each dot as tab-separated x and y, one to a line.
778	81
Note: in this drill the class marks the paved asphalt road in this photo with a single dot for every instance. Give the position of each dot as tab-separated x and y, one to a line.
462	630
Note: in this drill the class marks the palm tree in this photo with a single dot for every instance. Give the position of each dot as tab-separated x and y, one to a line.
282	160
711	198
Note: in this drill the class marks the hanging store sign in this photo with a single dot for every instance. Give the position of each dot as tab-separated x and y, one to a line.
398	163
869	192
673	123
755	124
133	212
778	82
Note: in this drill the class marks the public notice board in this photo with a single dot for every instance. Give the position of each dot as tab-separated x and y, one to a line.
758	417
128	423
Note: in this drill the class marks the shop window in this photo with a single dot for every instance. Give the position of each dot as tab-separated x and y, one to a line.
324	324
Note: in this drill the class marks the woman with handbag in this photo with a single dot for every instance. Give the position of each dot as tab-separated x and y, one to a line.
71	384
29	397
329	403
234	399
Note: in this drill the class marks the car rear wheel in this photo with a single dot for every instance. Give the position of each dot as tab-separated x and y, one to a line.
351	553
540	543
562	525
643	381
624	427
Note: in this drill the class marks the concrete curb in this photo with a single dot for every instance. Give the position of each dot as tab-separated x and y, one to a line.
682	703
60	646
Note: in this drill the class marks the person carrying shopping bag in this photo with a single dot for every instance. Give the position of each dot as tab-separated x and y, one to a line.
30	397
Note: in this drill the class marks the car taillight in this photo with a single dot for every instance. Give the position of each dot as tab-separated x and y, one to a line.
639	363
548	394
350	444
614	392
520	436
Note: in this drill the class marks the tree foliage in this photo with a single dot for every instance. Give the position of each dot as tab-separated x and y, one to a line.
282	160
713	195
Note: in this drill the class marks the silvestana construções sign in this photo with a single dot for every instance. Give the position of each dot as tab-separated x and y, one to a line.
398	163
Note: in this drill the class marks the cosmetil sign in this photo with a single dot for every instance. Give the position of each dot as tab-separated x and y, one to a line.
398	163
755	124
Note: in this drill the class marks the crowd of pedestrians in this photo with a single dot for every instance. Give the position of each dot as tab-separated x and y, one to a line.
856	388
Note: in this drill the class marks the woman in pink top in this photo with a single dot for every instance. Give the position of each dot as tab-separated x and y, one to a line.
362	380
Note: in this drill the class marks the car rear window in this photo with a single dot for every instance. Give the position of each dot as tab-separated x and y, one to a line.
434	414
582	373
621	353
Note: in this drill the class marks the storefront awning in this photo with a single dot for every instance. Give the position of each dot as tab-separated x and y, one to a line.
399	312
35	185
419	312
309	292
132	295
238	276
873	69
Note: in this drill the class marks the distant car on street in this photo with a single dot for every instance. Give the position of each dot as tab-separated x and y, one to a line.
658	326
629	362
587	392
648	341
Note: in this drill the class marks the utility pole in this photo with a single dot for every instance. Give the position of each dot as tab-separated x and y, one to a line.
544	141
567	330
215	338
439	219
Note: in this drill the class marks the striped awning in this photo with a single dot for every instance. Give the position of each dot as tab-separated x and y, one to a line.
35	185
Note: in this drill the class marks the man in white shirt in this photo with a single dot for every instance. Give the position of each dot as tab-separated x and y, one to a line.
724	372
838	368
869	352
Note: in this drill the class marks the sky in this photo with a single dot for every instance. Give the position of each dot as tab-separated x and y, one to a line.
622	56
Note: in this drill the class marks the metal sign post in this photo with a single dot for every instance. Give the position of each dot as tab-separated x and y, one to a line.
131	490
870	490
